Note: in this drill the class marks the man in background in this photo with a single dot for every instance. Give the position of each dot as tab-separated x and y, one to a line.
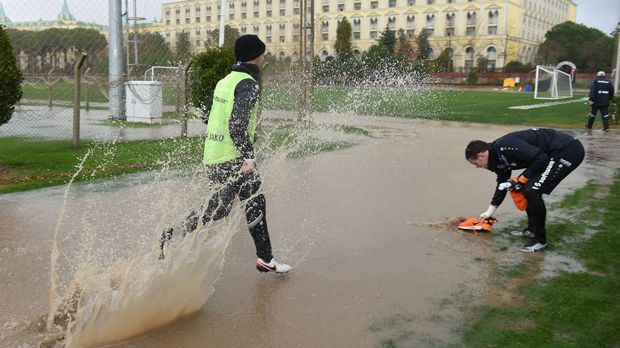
601	93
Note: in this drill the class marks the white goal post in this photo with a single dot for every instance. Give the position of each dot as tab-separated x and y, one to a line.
552	83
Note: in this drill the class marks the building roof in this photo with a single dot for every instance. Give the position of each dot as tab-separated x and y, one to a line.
3	18
65	14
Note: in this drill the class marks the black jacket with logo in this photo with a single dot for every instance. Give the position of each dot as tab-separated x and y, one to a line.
601	91
528	149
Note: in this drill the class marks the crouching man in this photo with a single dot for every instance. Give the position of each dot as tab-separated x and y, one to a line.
547	156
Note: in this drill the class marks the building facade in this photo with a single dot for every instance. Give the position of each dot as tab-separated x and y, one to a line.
500	30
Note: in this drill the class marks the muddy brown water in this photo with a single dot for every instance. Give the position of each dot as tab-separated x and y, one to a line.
358	225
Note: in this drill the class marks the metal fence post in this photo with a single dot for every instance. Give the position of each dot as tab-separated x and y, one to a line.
77	73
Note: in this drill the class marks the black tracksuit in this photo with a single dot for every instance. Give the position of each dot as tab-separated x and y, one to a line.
226	178
601	93
547	156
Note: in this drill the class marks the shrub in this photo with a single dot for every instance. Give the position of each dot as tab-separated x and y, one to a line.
472	78
10	79
207	69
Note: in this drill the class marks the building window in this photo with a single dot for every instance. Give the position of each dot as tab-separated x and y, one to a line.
268	39
356	35
244	29
493	17
340	7
167	22
430	32
471	18
430	20
392	3
450	20
470	31
357	6
391	22
268	28
325	8
410	22
373	23
374	4
324	26
325	36
197	19
411	2
178	21
430	2
492	30
357	24
410	33
373	34
449	31
491	57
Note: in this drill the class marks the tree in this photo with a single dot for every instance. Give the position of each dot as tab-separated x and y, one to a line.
208	68
10	79
153	49
230	36
424	49
404	46
388	39
183	46
343	47
589	48
443	63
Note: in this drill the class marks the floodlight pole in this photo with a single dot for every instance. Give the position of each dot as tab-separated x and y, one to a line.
616	77
222	22
115	55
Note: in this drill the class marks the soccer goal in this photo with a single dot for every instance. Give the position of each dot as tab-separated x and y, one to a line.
552	83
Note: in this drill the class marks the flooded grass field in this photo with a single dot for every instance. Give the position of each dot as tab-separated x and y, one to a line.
362	228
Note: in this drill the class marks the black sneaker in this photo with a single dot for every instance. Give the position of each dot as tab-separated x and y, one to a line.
533	247
525	233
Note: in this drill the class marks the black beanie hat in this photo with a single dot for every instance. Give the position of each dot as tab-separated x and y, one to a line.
248	47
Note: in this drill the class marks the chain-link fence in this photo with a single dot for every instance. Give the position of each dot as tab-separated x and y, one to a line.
46	51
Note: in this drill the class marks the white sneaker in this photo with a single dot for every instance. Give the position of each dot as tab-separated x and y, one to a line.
273	266
524	233
533	248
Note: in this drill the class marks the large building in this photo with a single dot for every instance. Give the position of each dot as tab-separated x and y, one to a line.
501	30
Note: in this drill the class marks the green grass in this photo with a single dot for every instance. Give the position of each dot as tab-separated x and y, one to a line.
60	91
465	106
64	91
27	163
53	162
572	309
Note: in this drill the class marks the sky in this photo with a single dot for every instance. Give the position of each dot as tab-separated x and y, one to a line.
600	14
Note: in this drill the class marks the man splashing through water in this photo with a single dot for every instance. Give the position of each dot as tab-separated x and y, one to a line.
547	156
229	152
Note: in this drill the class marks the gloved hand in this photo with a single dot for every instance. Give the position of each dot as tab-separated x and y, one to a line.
487	214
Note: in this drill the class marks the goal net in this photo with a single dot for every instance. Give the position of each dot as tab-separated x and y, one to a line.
552	83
